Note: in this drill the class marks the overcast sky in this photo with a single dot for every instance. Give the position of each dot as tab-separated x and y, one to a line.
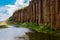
8	7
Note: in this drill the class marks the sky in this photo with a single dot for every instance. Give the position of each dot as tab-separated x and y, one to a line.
8	7
5	2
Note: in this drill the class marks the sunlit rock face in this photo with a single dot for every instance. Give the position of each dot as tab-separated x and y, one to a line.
3	23
7	10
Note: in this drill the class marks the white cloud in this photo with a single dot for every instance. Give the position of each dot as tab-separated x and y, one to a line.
3	13
7	10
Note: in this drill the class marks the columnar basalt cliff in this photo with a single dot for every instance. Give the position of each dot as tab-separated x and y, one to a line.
41	12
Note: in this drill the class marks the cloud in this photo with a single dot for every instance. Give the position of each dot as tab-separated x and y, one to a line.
3	13
8	10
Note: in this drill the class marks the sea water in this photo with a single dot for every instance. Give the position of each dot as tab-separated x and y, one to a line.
12	33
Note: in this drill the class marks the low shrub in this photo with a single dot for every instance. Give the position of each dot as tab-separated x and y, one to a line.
3	26
36	27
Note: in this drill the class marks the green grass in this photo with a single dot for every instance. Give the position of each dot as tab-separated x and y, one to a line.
39	28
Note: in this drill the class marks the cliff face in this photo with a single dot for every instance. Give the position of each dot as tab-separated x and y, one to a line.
40	11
